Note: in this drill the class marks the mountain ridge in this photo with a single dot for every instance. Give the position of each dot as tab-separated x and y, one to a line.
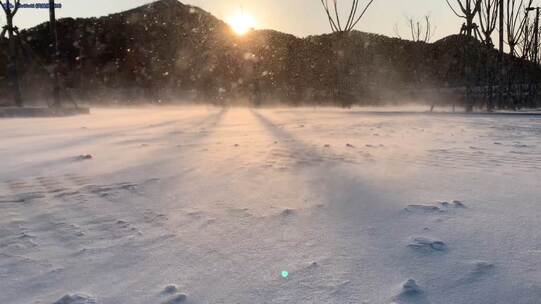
167	50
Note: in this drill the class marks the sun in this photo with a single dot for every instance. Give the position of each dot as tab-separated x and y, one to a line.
241	23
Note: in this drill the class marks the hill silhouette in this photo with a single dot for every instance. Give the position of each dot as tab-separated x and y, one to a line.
168	51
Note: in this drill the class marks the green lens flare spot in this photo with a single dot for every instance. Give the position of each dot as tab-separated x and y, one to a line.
285	274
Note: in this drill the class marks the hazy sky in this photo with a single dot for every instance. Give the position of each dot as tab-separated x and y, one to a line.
299	17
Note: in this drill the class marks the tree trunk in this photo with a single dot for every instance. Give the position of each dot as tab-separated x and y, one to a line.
12	64
469	31
54	49
501	47
469	26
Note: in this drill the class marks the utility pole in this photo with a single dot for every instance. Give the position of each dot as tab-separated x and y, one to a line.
501	11
56	54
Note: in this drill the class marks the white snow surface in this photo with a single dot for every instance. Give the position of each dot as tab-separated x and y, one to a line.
210	205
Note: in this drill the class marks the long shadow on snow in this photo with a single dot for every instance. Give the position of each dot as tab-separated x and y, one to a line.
117	210
92	138
169	153
355	214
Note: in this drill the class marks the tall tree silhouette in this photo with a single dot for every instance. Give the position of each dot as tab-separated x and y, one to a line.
342	83
516	20
355	14
526	44
11	10
488	19
468	10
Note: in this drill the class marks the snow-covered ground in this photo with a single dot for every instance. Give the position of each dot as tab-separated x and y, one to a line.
210	205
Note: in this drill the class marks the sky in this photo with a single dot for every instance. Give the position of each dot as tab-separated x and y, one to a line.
298	17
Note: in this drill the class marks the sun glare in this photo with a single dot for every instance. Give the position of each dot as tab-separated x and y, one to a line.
241	23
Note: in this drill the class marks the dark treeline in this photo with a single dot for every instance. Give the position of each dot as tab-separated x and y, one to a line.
167	51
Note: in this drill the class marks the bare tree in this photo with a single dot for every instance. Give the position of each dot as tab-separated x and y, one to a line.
515	23
535	30
488	19
526	44
342	51
468	10
10	11
420	31
487	12
355	15
517	32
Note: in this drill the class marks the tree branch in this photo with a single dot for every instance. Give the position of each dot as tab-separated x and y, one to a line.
325	4
17	5
333	15
352	12
4	7
337	15
453	9
361	16
428	34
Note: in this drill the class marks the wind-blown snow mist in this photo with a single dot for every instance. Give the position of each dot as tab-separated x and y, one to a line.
211	205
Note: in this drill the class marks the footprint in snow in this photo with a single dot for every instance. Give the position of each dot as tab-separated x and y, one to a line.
305	271
174	296
170	289
435	208
84	157
475	271
481	268
240	212
288	212
478	270
427	244
453	204
76	299
410	293
422	209
210	221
